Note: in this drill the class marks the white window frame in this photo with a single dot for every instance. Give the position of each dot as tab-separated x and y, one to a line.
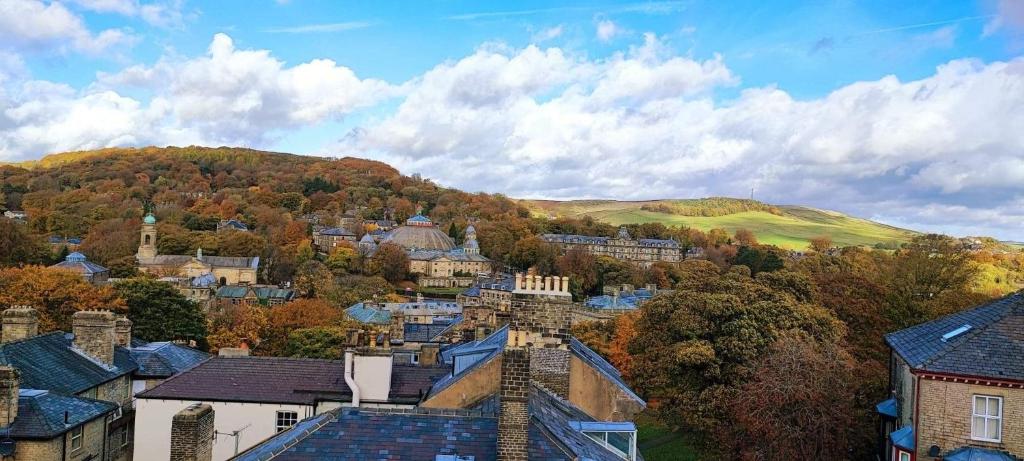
77	435
285	415
989	419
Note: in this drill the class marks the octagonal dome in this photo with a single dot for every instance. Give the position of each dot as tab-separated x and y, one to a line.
419	233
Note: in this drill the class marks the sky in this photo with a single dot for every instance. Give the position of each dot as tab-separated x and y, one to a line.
906	112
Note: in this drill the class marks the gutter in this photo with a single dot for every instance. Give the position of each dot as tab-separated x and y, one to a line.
349	379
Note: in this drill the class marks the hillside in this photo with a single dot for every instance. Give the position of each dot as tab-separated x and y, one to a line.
785	226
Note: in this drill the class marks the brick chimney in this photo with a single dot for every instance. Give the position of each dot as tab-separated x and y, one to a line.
396	332
94	334
428	354
192	433
123	331
8	395
19	322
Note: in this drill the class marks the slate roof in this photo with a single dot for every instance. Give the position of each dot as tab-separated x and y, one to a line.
234	224
274	293
283	380
612	302
164	359
212	261
49	362
427	332
593	240
362	314
454	255
978	454
41	413
337	232
422	434
991	347
77	262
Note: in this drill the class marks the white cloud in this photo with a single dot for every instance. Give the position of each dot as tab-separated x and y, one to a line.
607	30
1009	15
550	33
162	13
33	25
322	28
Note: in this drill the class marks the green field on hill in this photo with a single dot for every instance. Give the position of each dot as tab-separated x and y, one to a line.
792	227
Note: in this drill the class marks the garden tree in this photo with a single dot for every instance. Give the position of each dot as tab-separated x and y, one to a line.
56	293
113	243
317	343
238	243
501	237
235	325
453	232
391	262
343	260
304	252
929	268
694	347
718	237
352	289
624	332
534	252
581	268
159	312
173	240
798	404
301	313
745	237
18	247
597	335
312	280
611	272
758	259
820	244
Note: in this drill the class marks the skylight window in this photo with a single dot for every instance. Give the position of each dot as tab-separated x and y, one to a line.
617	437
955	333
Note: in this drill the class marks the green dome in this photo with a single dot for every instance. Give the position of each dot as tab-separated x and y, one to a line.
149	219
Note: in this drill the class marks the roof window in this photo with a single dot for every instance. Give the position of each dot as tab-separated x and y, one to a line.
955	333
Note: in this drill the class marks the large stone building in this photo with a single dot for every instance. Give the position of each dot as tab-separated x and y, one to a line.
958	387
90	271
226	270
433	255
641	251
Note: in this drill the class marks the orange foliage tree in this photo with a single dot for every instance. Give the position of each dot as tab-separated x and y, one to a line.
56	293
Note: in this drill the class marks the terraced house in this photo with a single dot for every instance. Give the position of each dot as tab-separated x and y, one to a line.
641	251
957	387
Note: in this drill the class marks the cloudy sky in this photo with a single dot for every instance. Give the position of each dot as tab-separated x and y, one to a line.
908	112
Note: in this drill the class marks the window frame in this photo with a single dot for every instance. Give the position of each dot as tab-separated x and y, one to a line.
285	415
77	435
986	417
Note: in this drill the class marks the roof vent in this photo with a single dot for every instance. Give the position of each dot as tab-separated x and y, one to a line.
955	333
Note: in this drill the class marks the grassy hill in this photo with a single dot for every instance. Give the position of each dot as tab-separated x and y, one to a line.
785	226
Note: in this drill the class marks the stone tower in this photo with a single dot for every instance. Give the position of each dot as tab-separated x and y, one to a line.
537	351
147	239
470	245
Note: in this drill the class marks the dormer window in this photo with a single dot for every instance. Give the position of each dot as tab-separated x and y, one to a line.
618	437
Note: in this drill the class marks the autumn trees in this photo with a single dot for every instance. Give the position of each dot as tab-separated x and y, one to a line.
56	293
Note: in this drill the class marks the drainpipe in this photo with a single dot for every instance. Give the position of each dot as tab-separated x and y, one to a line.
349	357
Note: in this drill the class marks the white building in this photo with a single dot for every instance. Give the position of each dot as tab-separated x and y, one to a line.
256	397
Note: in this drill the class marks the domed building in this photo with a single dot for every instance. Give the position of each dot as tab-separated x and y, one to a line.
419	233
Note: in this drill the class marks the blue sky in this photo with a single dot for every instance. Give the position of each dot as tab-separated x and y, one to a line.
906	112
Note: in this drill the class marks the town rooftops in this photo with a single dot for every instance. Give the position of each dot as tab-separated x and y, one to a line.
594	240
49	362
337	232
45	415
77	262
457	254
428	332
164	359
365	314
283	380
431	434
233	224
986	341
240	262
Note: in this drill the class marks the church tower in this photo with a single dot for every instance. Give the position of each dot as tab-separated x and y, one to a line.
470	245
147	239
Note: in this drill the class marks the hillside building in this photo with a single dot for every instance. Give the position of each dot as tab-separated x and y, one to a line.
226	270
90	271
641	251
433	256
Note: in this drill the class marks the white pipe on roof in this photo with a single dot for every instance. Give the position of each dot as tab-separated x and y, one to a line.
349	379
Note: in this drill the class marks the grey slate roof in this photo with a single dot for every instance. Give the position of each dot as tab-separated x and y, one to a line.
49	362
283	380
422	434
592	240
41	413
77	262
992	347
164	359
213	261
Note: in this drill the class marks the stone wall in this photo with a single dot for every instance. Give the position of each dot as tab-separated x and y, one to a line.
944	417
92	441
598	396
548	319
38	450
19	322
550	368
9	385
478	384
94	334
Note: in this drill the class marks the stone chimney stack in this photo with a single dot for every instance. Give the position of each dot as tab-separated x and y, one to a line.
20	322
9	384
428	354
192	434
514	415
397	327
94	334
541	318
123	331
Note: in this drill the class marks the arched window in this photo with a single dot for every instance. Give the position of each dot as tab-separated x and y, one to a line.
147	239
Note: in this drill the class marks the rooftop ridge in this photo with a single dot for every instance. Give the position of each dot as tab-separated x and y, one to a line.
975	330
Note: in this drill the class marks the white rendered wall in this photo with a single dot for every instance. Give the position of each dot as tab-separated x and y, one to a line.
153	425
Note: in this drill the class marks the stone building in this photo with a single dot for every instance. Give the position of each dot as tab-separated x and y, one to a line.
226	270
326	240
957	386
641	251
433	255
528	391
90	271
